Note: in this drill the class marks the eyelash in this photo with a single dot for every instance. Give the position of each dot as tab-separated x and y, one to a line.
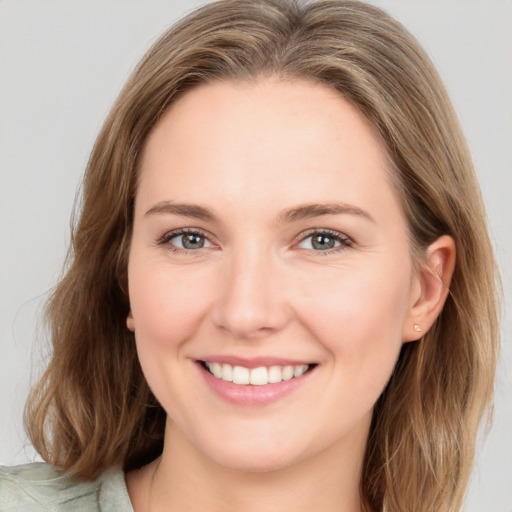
344	241
168	237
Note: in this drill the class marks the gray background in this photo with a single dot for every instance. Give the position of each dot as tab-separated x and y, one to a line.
62	64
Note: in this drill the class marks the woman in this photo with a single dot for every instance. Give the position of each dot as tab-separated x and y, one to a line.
281	280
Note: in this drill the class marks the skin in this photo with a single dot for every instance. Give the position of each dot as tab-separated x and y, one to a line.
258	287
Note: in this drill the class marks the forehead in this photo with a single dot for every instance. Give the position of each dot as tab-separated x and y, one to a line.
250	104
286	141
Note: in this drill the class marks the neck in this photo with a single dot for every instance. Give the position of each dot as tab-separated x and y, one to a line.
184	480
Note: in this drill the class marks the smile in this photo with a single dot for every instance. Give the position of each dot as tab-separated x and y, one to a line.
257	381
255	376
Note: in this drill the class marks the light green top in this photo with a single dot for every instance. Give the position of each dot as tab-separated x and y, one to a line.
40	487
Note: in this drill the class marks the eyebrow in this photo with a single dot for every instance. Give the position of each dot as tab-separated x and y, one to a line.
185	210
310	210
300	212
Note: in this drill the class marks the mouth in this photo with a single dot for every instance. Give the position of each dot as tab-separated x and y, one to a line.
260	376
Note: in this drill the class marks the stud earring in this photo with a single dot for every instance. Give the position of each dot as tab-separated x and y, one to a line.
417	328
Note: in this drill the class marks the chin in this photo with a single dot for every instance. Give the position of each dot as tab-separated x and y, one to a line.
254	454
254	461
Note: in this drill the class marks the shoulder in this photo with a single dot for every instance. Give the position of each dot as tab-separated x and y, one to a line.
40	487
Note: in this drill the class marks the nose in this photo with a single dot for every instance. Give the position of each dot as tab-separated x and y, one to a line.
251	301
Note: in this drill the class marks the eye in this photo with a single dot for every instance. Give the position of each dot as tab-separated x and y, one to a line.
324	240
185	240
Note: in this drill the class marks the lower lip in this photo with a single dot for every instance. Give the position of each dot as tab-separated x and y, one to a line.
250	395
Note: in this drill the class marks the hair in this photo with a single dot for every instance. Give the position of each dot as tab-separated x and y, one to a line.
92	408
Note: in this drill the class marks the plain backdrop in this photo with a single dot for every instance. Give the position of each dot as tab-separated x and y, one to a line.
62	64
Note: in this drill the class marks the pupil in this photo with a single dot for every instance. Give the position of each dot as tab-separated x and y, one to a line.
323	242
193	241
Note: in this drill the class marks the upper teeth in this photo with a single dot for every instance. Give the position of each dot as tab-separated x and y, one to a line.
255	376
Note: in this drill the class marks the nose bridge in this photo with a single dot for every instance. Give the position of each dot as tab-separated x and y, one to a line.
251	302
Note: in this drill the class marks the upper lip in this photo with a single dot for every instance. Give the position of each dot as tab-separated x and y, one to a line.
254	362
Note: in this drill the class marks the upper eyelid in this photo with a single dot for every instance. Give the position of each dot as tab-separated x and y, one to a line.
180	231
324	231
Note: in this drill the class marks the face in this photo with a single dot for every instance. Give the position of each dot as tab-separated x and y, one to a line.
270	249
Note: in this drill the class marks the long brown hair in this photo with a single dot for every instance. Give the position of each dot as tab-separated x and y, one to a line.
92	409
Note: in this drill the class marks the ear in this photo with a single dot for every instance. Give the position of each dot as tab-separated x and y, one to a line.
130	322
430	288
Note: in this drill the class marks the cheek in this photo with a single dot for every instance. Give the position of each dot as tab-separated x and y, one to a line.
167	305
358	321
369	298
358	317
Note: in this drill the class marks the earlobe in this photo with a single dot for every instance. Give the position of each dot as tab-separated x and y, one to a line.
432	288
130	323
